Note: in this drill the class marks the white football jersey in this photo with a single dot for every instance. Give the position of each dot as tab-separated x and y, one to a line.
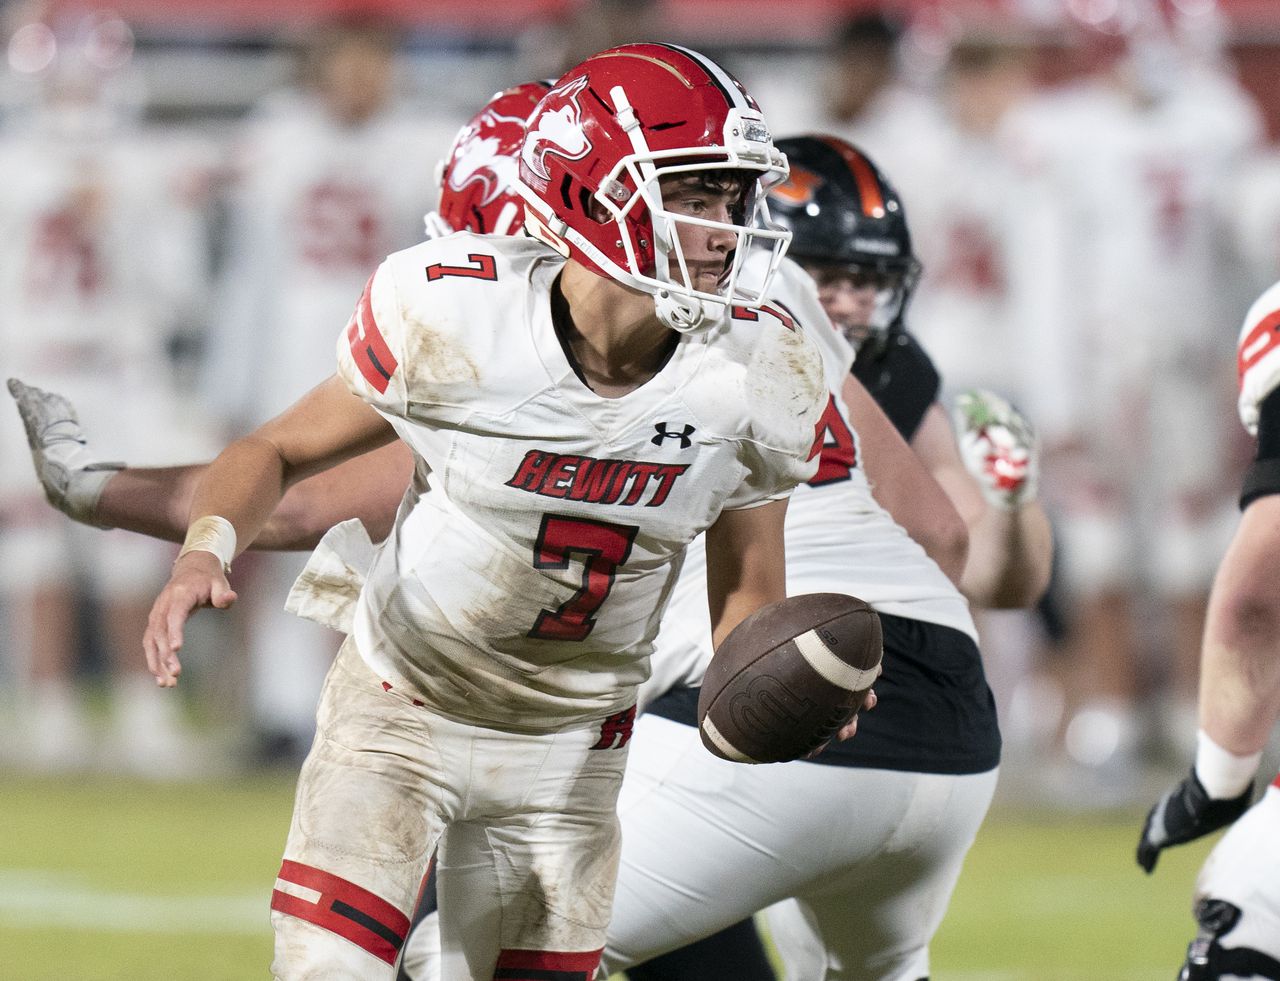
523	588
838	538
1258	356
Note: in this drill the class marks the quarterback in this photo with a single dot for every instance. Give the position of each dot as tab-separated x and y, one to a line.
580	405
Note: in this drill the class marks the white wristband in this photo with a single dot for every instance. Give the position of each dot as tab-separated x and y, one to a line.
212	534
1223	774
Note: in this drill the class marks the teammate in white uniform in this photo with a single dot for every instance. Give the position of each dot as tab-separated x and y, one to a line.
102	266
1238	892
1142	158
579	409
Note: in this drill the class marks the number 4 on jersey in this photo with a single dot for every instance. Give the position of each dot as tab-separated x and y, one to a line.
838	447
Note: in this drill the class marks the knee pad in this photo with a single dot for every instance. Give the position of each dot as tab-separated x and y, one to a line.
1209	960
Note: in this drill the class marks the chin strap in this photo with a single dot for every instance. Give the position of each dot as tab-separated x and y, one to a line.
687	314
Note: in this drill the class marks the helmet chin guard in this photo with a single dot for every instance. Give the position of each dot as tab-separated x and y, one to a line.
598	148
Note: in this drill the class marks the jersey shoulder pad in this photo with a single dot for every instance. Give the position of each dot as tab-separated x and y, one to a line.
903	381
784	385
429	317
794	291
1258	356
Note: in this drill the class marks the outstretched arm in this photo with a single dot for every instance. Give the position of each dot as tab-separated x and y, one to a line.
236	496
1010	540
156	501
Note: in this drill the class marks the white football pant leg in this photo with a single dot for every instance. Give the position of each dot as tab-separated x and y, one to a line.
525	871
707	842
1244	869
370	804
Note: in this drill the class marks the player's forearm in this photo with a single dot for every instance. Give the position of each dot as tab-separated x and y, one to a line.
368	487
243	485
745	566
1240	704
156	501
153	501
1240	663
1010	558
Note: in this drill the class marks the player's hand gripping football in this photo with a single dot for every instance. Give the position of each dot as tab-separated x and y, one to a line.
998	446
197	580
1185	813
71	478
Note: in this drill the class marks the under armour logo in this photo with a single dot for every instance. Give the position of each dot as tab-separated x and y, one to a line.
665	433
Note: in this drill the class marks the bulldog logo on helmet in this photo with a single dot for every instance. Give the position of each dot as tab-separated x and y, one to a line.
557	129
482	159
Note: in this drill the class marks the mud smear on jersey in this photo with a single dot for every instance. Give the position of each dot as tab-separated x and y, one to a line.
331	599
785	385
434	357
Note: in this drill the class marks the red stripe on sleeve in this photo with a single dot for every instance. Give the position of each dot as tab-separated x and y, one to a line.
1264	337
369	348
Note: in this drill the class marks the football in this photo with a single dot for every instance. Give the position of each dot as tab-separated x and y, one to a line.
788	677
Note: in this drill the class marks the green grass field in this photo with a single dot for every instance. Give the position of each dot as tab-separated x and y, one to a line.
112	879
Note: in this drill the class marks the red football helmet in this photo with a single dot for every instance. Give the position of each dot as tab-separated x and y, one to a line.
476	179
603	137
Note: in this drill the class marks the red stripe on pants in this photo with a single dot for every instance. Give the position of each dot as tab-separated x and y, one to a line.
333	890
515	965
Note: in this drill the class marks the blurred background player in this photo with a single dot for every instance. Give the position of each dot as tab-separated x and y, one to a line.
328	176
475	193
1140	153
866	87
104	274
1237	897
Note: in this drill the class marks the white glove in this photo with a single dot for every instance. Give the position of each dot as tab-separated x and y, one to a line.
998	447
71	478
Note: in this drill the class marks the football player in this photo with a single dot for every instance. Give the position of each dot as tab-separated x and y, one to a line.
580	405
1237	896
911	804
850	233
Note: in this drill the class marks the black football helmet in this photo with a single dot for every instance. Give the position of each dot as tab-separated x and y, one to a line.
847	223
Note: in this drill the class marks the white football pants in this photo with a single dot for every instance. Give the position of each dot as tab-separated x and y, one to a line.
532	826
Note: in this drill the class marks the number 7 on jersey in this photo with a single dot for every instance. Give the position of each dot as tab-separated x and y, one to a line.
603	547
